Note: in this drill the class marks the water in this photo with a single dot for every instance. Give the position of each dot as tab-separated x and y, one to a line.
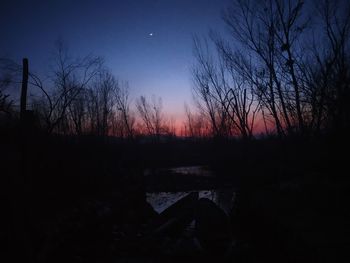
198	170
192	170
224	198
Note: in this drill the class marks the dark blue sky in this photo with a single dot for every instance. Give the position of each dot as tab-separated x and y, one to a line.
119	31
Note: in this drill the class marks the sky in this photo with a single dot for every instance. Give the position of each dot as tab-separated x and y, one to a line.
147	43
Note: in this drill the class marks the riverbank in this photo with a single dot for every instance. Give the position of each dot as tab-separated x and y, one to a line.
84	199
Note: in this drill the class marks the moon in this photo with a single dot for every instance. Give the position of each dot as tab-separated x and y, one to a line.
151	34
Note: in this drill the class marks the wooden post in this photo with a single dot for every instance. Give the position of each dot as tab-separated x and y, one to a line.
23	198
24	88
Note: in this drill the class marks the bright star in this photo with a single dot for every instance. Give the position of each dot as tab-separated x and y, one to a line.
151	34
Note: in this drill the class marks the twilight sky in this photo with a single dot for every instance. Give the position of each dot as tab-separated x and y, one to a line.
119	31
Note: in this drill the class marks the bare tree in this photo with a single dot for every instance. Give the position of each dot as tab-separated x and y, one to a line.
101	103
196	125
70	77
10	73
272	31
5	101
330	79
151	115
127	119
81	96
210	89
225	94
292	26
77	113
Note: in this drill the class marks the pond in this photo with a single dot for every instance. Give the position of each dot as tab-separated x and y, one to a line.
197	170
224	198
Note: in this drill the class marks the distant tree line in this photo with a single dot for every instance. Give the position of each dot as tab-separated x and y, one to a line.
285	63
82	97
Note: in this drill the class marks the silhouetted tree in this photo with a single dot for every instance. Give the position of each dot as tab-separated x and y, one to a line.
78	114
196	125
5	101
151	115
329	75
124	113
103	100
70	77
225	95
9	77
270	32
210	89
267	69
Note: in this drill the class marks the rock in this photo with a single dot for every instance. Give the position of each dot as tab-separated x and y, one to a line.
212	227
173	220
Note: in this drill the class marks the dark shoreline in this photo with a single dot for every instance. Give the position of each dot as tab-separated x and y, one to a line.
84	192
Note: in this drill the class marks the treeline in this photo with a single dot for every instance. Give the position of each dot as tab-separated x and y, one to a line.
285	65
82	97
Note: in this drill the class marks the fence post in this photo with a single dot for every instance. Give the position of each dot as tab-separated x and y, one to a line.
24	89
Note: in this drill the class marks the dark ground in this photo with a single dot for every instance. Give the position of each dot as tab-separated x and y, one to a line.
82	199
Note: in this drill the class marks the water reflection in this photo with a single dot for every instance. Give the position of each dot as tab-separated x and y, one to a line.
224	198
192	170
197	170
